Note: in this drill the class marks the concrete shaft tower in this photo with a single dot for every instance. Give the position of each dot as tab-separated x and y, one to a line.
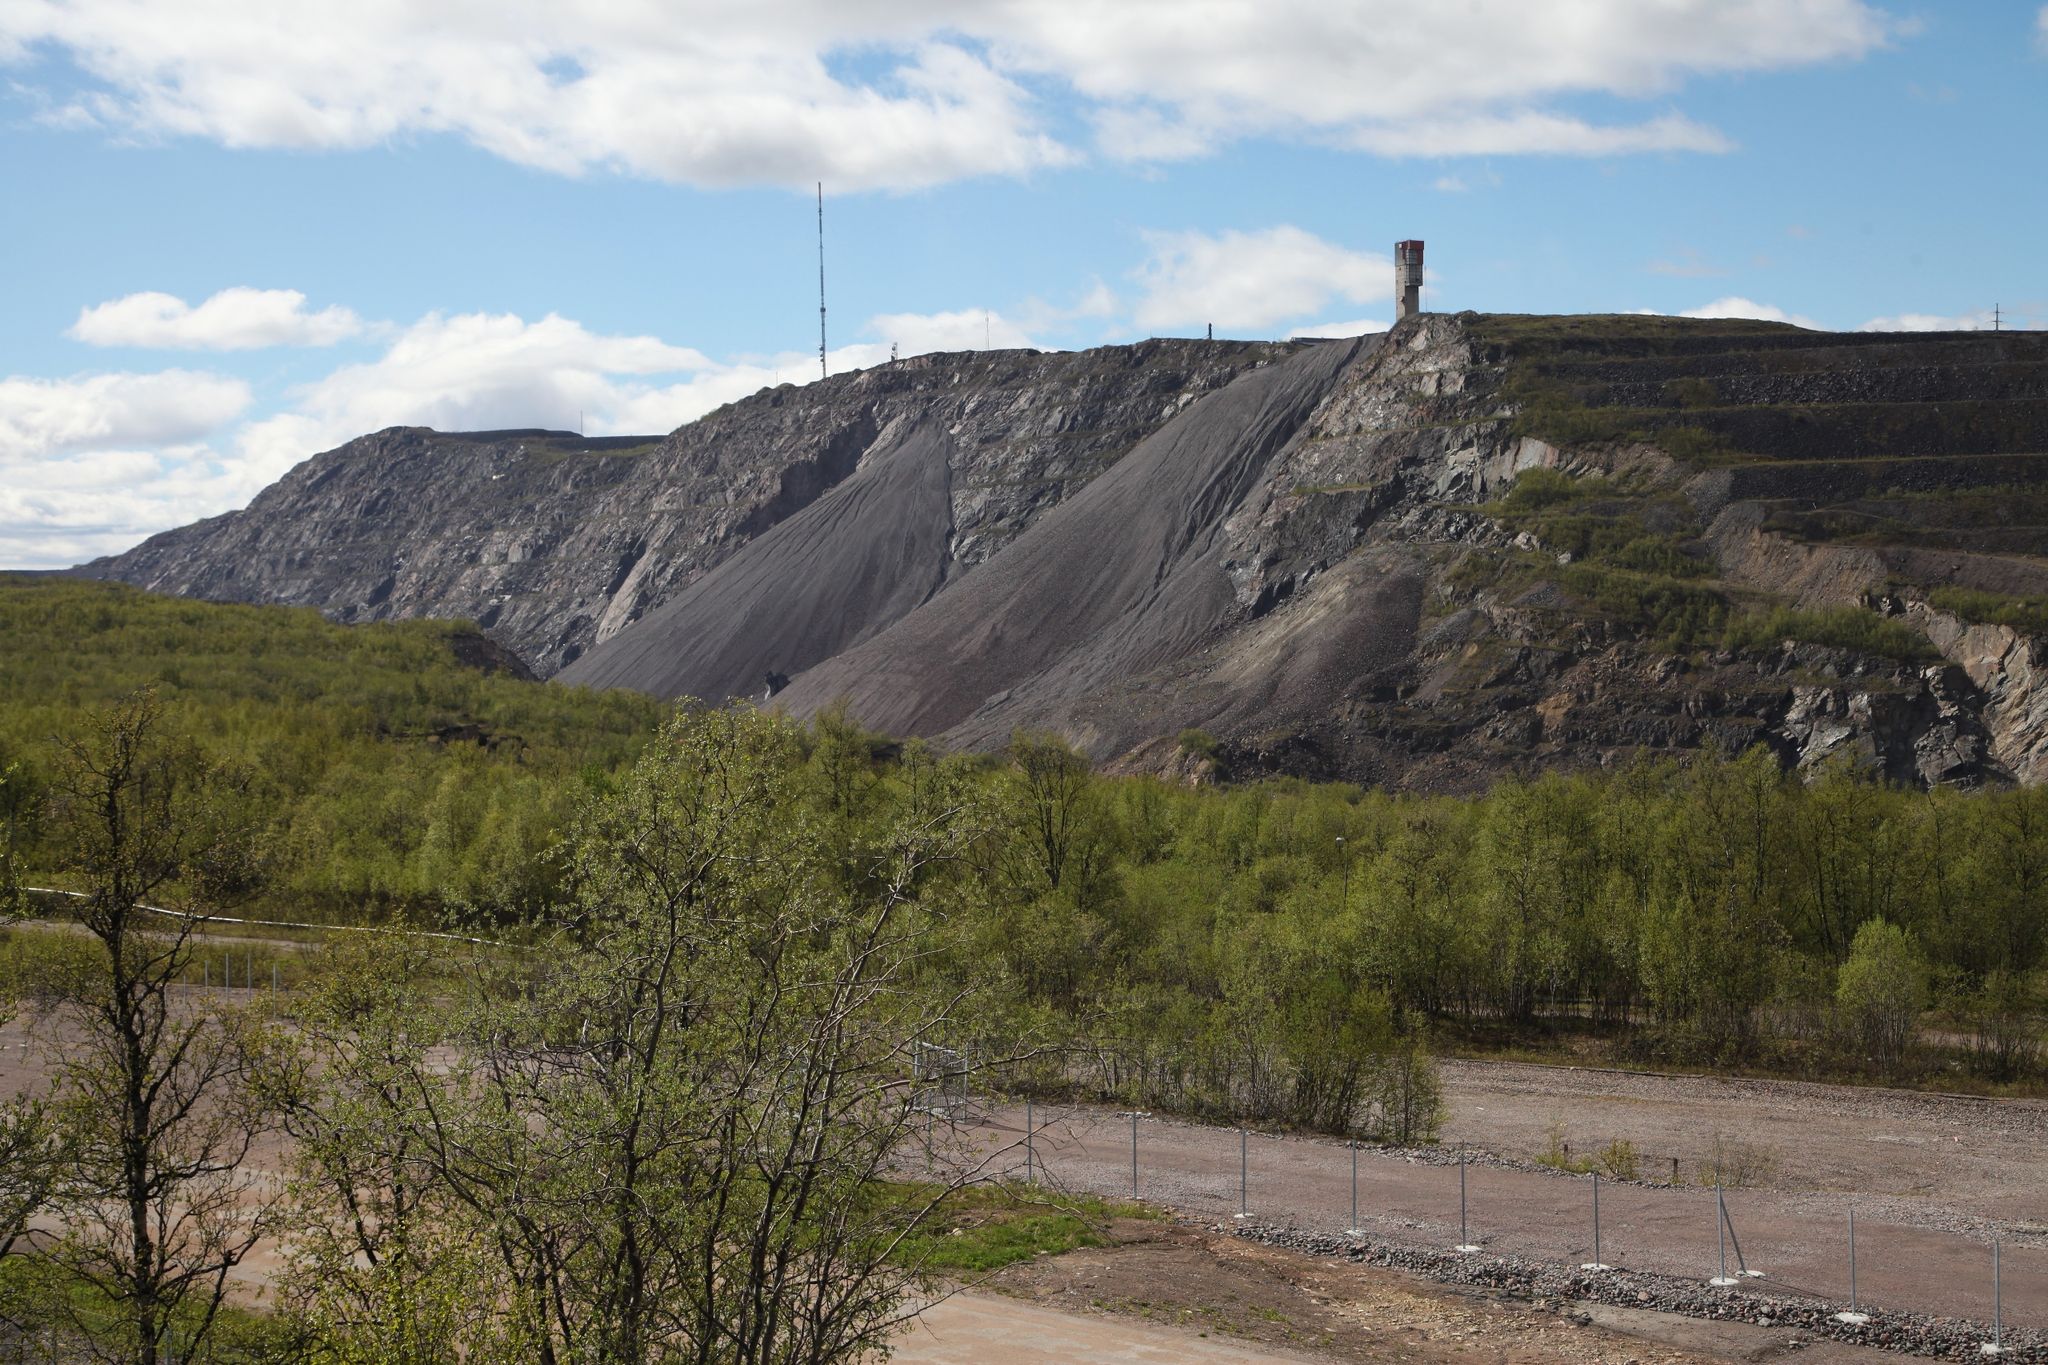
1407	279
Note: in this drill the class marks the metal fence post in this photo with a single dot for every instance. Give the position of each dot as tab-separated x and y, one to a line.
1597	1263
1134	1155
1354	1187
1722	1278
1465	1243
1855	1317
1027	1141
1244	1172
1997	1346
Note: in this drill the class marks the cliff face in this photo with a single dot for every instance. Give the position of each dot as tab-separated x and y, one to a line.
553	543
1476	545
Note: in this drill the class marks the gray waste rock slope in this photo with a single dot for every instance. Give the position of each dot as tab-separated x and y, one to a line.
1123	578
555	544
868	552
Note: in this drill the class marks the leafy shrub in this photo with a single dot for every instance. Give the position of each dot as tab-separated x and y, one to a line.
1618	1158
1406	1096
1881	990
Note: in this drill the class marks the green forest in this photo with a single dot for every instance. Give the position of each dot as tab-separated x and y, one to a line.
1194	945
398	777
718	940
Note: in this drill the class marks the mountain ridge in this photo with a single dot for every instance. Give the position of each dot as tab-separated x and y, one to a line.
1476	545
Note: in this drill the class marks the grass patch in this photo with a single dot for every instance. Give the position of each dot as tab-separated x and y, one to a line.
986	1227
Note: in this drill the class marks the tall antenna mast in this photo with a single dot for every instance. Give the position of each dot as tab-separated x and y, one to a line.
821	279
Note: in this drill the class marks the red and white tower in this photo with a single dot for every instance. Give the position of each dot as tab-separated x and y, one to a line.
1407	279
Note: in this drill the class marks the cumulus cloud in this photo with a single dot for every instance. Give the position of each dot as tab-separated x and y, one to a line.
1251	279
1735	306
1532	133
2041	30
1978	321
92	463
906	93
233	320
1405	79
43	417
468	372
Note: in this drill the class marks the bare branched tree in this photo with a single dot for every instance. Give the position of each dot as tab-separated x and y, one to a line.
158	1205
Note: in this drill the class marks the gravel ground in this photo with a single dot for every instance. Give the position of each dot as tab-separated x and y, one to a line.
1932	1179
1970	1156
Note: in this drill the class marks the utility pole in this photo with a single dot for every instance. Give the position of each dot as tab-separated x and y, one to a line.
1995	319
821	279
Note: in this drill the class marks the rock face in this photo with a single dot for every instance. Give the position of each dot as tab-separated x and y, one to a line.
1333	558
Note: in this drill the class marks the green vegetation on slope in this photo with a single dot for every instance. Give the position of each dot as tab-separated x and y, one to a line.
1221	952
399	777
2028	615
1654	581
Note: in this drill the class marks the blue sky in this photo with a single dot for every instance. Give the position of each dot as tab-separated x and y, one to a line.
237	235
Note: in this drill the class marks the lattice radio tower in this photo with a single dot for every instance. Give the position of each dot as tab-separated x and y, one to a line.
821	279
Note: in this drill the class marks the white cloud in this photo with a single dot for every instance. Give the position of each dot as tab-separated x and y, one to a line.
1534	133
1978	321
233	320
469	372
66	510
93	463
1357	328
2041	29
1735	306
1449	184
1251	279
43	417
904	93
